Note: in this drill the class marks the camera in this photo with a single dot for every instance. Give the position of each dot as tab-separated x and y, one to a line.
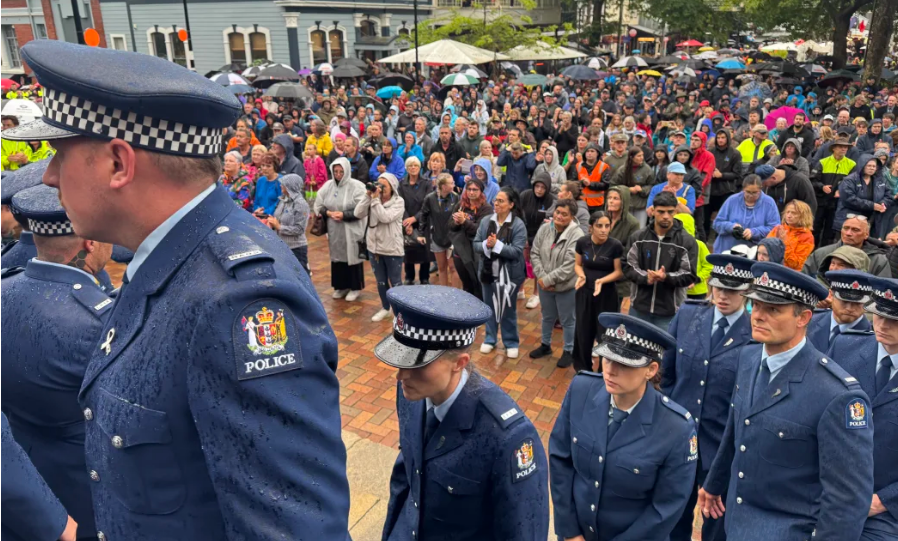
372	186
738	232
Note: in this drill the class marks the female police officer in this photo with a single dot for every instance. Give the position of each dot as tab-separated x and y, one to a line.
622	456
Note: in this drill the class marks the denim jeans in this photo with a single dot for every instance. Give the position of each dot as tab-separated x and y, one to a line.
509	321
387	272
662	322
562	307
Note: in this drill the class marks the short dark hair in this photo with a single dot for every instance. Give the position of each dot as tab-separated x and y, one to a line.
574	188
11	118
598	215
802	115
665	199
751	180
569	204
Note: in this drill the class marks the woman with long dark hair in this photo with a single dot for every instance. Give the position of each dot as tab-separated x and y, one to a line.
638	178
463	224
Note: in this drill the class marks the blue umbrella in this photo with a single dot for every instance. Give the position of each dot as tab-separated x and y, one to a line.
731	64
389	92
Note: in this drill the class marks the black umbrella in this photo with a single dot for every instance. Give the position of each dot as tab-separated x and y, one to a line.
365	100
580	73
233	66
786	81
666	59
289	90
348	71
274	74
393	79
693	63
824	58
350	61
759	55
834	77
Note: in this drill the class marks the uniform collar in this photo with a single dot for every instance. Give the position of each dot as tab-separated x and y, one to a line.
441	410
842	326
56	272
731	319
629	410
777	362
152	241
880	353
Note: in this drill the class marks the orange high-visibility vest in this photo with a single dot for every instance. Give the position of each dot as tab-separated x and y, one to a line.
593	198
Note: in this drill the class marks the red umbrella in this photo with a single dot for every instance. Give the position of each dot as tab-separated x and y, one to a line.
690	43
783	112
6	84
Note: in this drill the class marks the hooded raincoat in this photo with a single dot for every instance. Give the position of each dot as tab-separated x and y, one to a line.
342	196
385	236
555	170
292	212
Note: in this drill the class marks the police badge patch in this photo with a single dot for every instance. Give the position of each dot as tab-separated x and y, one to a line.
693	448
262	333
523	462
857	415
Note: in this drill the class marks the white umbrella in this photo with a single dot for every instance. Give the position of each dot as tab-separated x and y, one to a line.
324	68
676	71
707	55
24	110
630	62
229	78
543	51
445	51
597	63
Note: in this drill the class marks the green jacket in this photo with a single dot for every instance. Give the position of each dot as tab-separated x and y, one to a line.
12	147
44	151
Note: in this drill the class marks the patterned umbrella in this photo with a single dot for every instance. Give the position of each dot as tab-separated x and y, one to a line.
228	79
468	69
630	62
458	79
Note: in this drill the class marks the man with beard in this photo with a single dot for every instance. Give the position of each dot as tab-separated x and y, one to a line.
449	147
798	130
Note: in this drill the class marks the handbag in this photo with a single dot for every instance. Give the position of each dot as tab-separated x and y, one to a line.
363	243
319	224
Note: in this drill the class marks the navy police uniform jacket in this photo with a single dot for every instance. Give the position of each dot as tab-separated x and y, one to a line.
799	461
52	317
17	253
633	488
702	380
482	476
857	352
30	510
211	399
819	329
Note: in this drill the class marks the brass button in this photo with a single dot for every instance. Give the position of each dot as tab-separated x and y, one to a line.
88	414
117	442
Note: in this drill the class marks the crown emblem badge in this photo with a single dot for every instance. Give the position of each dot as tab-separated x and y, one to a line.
266	332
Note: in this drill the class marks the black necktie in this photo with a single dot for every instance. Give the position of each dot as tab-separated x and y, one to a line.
761	382
837	330
617	419
883	374
718	335
430	425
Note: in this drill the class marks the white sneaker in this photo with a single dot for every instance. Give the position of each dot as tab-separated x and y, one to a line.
353	295
512	353
486	348
380	315
521	295
532	302
340	293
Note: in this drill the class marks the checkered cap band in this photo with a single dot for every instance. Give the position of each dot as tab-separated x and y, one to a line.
781	288
633	339
886	295
862	288
449	338
742	274
97	120
50	229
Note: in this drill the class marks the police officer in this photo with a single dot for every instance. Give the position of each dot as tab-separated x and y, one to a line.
847	313
16	253
701	371
471	465
58	310
211	400
622	456
32	512
872	358
797	453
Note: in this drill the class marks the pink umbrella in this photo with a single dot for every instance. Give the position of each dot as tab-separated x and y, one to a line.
783	112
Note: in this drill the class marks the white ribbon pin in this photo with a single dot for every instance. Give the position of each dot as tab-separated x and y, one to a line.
107	345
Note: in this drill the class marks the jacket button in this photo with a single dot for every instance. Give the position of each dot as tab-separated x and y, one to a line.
706	363
450	490
699	400
414	534
742	448
681	350
665	399
702	383
416	504
592	507
781	435
591	529
739	500
101	536
597	484
636	471
747	422
88	414
741	475
94	476
117	442
417	472
575	439
76	287
601	459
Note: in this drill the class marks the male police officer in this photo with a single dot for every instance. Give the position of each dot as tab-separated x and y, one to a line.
850	292
17	252
211	399
700	372
872	358
797	453
471	465
55	310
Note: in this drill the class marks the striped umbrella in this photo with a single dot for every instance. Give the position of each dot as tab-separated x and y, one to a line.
458	79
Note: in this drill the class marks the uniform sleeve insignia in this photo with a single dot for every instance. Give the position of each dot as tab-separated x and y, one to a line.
523	461
261	335
856	414
693	448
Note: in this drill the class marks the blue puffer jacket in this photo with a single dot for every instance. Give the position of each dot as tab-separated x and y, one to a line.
854	194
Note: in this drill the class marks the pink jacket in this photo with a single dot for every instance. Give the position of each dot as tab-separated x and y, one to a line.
316	170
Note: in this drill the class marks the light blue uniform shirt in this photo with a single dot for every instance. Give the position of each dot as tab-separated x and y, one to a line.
842	326
441	410
779	361
880	355
149	244
731	319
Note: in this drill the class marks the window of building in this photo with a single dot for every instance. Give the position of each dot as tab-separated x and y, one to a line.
159	47
237	45
368	29
40	31
319	50
404	32
258	46
119	43
336	43
11	44
178	53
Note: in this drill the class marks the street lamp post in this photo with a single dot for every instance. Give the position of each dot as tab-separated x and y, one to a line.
189	35
79	30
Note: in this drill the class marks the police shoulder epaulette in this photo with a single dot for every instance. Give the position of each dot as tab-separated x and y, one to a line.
676	408
501	406
857	332
93	298
8	246
10	271
588	373
833	368
234	251
697	302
